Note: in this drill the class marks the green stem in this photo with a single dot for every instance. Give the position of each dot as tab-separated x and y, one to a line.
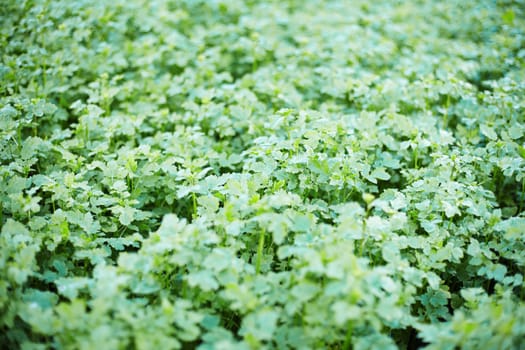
19	136
194	200
363	242
184	290
445	116
348	194
522	195
254	63
363	227
348	339
259	252
44	77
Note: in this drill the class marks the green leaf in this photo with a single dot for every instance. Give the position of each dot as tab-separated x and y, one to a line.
203	279
70	287
488	132
127	215
381	174
261	324
302	222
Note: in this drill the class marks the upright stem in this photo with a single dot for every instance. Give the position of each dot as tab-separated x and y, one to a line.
194	200
445	116
363	242
259	252
522	199
348	339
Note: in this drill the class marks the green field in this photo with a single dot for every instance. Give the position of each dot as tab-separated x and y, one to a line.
282	174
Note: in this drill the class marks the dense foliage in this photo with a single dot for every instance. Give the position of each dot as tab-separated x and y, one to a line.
227	174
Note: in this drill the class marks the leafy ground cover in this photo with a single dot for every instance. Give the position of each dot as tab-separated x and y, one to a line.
248	175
